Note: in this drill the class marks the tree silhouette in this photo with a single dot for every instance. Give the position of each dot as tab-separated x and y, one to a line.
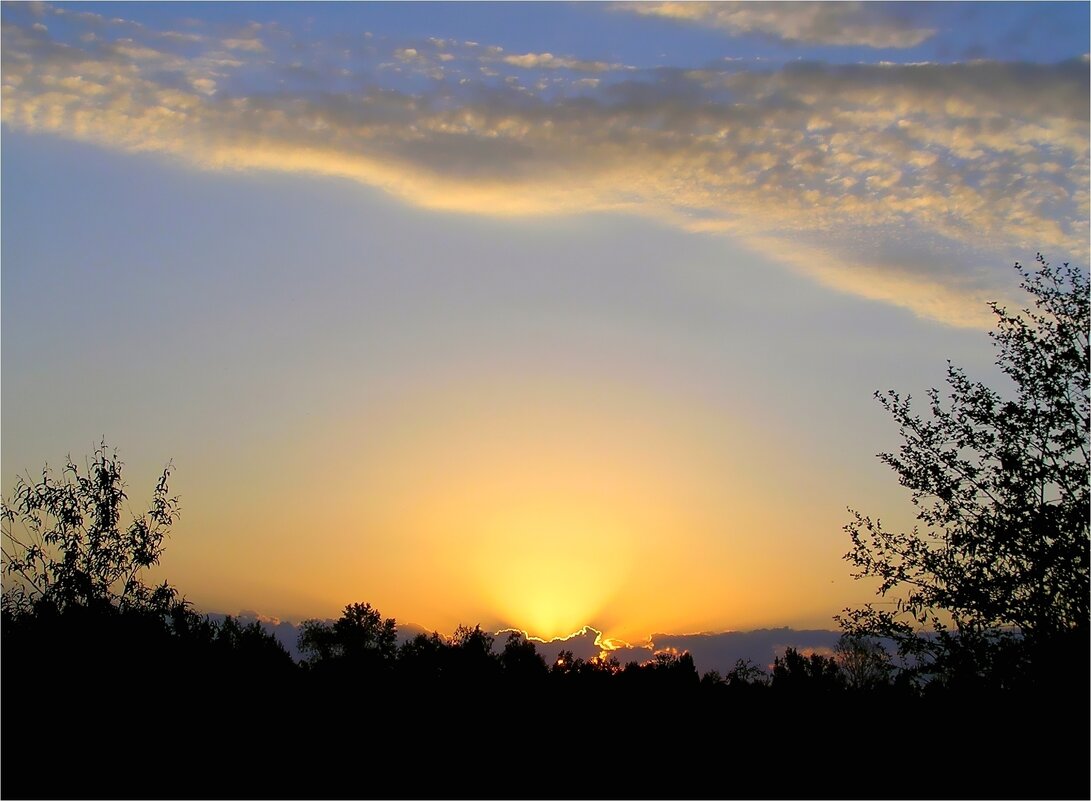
521	660
1000	563
472	659
863	661
678	669
746	675
64	545
816	673
474	641
104	676
360	637
423	658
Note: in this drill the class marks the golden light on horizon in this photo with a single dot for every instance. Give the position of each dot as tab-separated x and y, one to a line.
508	500
532	502
551	570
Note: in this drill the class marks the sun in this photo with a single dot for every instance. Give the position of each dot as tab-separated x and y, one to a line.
549	571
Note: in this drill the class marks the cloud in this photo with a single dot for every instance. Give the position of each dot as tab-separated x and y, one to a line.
251	45
182	37
710	651
286	632
721	651
137	52
551	62
913	185
818	22
583	644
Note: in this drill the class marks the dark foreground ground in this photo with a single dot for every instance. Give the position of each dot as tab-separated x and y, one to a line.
118	710
244	740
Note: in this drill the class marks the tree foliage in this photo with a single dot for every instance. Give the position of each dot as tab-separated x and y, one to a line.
746	674
1000	484
359	635
864	662
64	544
520	658
812	673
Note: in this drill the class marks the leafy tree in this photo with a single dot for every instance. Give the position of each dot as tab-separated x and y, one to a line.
565	663
521	660
64	545
473	641
814	673
746	674
75	597
360	635
669	662
423	654
999	561
667	671
471	655
607	665
249	644
863	661
712	678
679	669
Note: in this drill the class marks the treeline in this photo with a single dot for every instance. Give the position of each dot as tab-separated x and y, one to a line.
103	700
361	643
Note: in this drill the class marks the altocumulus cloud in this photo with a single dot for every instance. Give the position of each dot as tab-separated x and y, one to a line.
550	61
912	184
815	21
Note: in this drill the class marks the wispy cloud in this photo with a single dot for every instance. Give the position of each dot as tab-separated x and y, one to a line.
913	184
819	22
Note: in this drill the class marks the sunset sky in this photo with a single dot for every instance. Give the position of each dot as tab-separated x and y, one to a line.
535	315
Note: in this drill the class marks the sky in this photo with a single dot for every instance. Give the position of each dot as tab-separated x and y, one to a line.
533	315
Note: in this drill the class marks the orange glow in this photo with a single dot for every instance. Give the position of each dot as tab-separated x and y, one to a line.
550	571
538	503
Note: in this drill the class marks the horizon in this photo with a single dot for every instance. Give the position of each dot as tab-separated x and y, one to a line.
718	651
540	317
